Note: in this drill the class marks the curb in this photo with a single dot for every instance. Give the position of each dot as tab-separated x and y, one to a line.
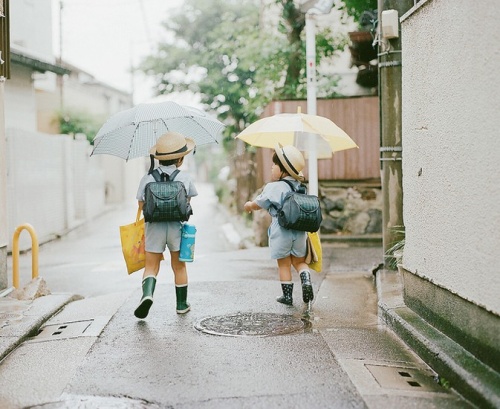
34	313
456	367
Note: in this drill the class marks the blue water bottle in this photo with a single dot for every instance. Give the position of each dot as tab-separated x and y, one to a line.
187	243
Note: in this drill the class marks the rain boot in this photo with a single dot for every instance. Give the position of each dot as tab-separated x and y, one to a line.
307	289
287	297
181	295
148	288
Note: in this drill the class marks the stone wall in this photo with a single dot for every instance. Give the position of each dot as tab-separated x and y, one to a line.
354	209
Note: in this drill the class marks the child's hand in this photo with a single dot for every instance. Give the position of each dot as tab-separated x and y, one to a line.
248	207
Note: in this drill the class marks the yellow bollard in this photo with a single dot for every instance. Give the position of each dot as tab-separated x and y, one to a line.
15	253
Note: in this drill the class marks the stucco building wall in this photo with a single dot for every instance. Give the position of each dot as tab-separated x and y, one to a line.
451	147
20	104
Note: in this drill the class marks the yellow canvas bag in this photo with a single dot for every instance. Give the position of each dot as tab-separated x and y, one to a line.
314	255
133	244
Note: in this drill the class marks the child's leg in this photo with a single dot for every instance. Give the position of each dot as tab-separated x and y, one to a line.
285	272
305	278
181	282
179	268
148	283
285	268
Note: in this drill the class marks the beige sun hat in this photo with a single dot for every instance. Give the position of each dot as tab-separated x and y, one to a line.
172	145
291	159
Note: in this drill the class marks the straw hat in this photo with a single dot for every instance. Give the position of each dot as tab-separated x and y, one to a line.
172	145
291	158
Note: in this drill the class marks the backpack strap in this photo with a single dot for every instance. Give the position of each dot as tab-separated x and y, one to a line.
163	177
174	174
300	189
291	187
156	174
289	184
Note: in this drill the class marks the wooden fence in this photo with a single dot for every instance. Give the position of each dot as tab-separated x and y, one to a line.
359	117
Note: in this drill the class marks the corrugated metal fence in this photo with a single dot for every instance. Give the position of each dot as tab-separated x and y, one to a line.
359	117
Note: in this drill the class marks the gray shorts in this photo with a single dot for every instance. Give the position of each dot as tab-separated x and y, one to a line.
284	243
160	235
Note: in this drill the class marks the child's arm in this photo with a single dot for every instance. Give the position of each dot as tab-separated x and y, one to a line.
249	206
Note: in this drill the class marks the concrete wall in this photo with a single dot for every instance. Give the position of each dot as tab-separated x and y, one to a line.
20	103
451	147
31	26
81	95
4	236
54	185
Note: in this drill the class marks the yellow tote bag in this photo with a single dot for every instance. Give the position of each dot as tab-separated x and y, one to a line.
133	244
314	256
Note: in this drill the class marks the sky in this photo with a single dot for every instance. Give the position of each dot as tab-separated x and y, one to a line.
107	37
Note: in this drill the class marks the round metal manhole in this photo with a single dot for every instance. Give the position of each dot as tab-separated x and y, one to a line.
259	324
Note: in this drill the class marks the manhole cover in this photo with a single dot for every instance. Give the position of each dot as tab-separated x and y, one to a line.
258	324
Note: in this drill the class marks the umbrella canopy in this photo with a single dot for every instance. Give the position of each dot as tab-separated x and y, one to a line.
297	129
131	133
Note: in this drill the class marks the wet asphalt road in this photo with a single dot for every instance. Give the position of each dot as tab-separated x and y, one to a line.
165	362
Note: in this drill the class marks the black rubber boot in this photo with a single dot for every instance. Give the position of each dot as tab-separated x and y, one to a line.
148	288
287	297
181	295
307	289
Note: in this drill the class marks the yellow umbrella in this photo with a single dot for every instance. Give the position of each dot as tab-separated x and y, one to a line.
297	129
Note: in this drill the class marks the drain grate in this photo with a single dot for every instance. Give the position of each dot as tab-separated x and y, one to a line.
72	329
393	377
250	324
63	331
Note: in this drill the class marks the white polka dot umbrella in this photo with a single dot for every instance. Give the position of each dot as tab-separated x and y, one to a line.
131	133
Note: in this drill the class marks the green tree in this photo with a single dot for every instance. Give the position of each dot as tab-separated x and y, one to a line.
213	53
72	123
220	51
355	8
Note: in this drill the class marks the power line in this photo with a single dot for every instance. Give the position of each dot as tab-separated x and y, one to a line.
146	25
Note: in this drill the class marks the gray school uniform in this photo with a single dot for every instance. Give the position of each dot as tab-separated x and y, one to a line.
165	234
282	242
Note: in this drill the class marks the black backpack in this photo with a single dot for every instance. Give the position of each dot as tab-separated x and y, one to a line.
166	200
300	211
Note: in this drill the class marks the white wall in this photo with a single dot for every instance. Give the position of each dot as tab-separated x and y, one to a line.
54	185
451	147
31	26
35	183
95	99
20	103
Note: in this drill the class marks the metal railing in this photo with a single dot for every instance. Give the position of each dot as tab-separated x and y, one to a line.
15	253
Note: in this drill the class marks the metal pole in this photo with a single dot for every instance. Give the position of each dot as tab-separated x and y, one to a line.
4	237
311	99
15	253
60	78
390	84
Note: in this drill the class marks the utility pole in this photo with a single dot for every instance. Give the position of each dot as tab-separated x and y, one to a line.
4	237
312	8
60	78
4	75
391	151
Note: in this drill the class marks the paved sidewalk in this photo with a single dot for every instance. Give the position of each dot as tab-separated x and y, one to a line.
347	309
21	319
